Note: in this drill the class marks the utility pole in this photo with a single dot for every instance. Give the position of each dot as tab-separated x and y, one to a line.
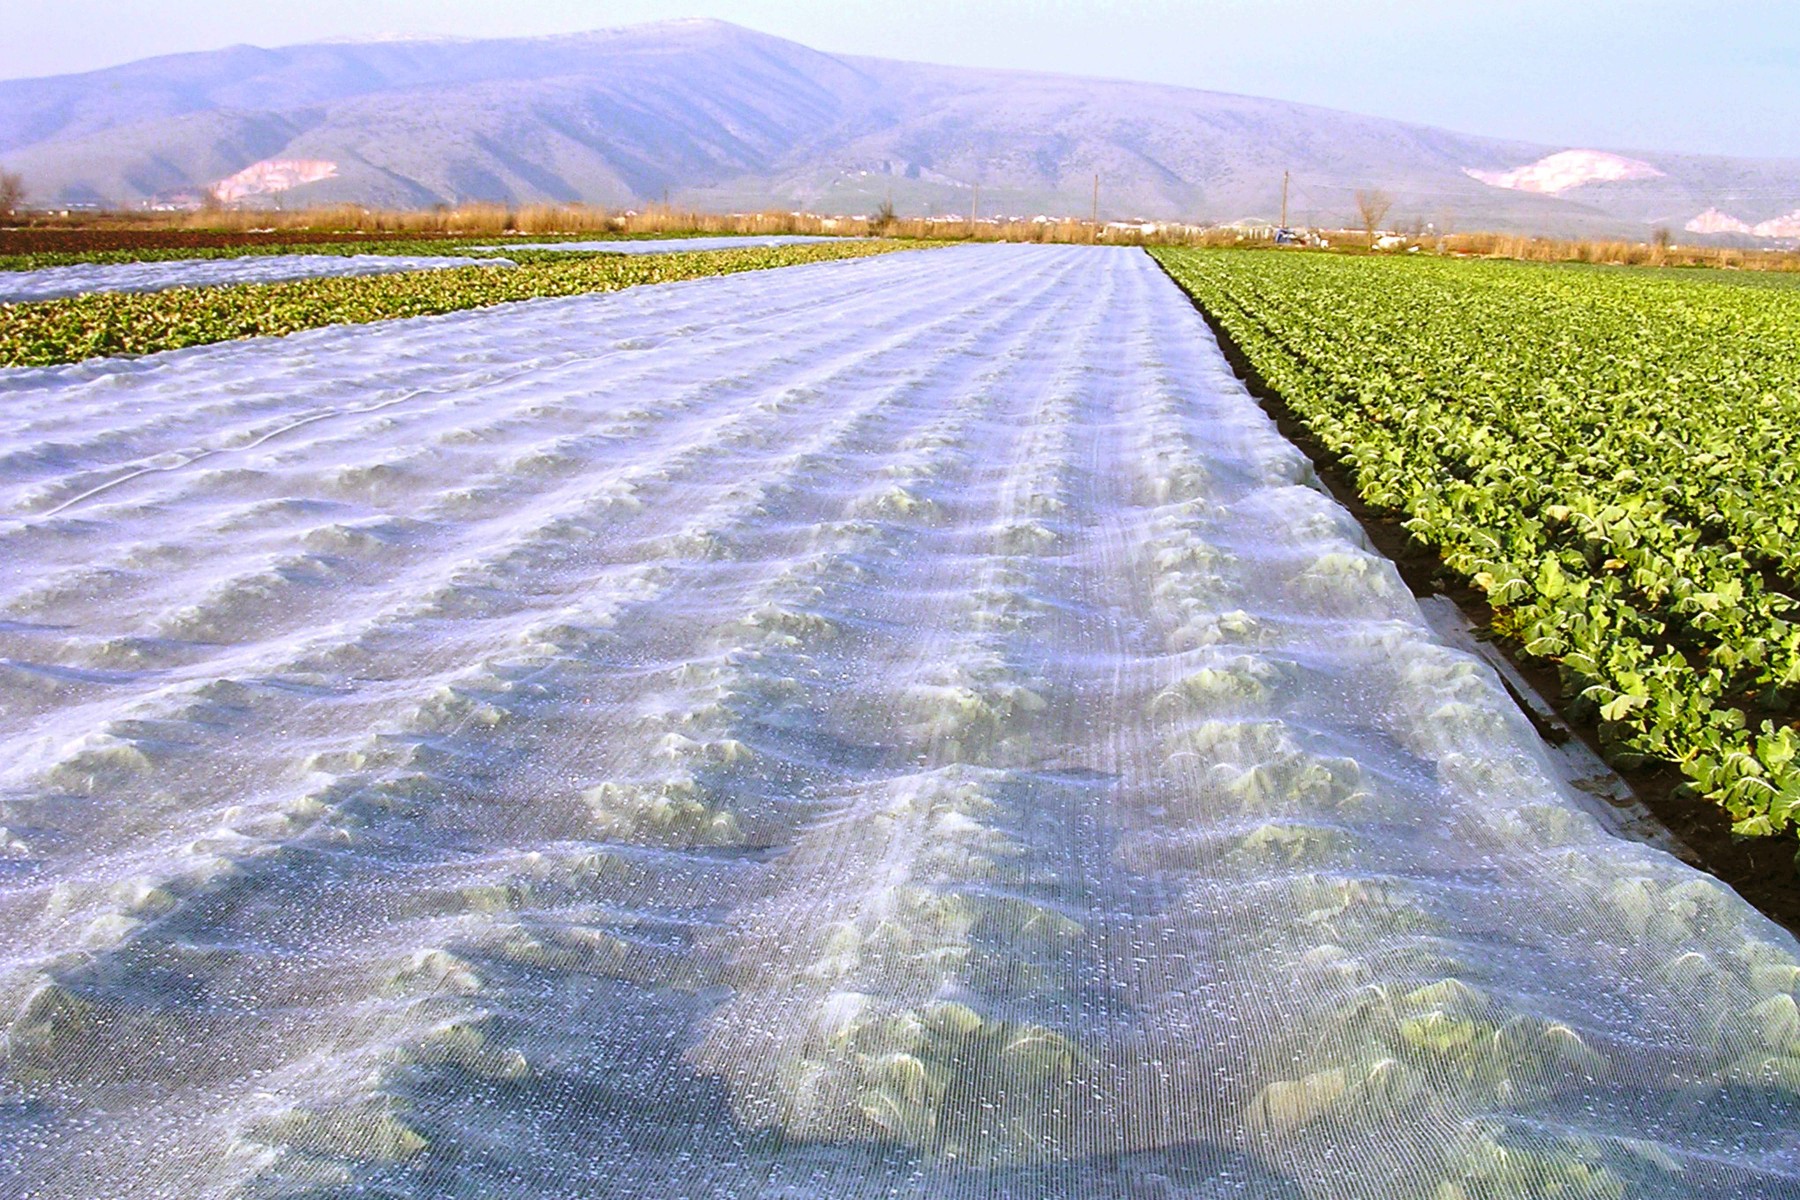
974	204
1284	191
1096	213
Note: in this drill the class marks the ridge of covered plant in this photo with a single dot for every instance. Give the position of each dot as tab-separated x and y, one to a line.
1604	454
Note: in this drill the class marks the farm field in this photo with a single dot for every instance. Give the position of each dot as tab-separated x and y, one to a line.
21	252
52	283
98	323
1606	455
154	271
903	726
38	249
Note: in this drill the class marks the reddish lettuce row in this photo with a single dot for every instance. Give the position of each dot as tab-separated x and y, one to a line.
68	330
1603	453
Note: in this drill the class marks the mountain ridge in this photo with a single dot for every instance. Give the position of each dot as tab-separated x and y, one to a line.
713	115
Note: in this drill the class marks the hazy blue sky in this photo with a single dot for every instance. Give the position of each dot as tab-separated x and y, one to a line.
1650	74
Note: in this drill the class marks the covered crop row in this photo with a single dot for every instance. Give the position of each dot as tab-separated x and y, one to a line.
18	254
58	283
80	327
1605	455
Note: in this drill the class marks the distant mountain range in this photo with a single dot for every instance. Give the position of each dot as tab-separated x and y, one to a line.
716	116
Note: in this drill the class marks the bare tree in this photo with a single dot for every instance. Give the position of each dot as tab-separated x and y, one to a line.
1373	207
884	219
1661	242
12	192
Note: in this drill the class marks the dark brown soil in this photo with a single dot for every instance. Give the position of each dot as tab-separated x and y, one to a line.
1762	870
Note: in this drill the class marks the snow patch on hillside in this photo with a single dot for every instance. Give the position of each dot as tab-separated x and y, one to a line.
272	175
1567	169
1779	227
1715	221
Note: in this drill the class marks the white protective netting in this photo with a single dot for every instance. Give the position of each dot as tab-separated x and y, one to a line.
52	283
904	727
674	245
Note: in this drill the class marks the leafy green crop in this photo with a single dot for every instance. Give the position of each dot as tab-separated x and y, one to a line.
1605	454
469	244
67	330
